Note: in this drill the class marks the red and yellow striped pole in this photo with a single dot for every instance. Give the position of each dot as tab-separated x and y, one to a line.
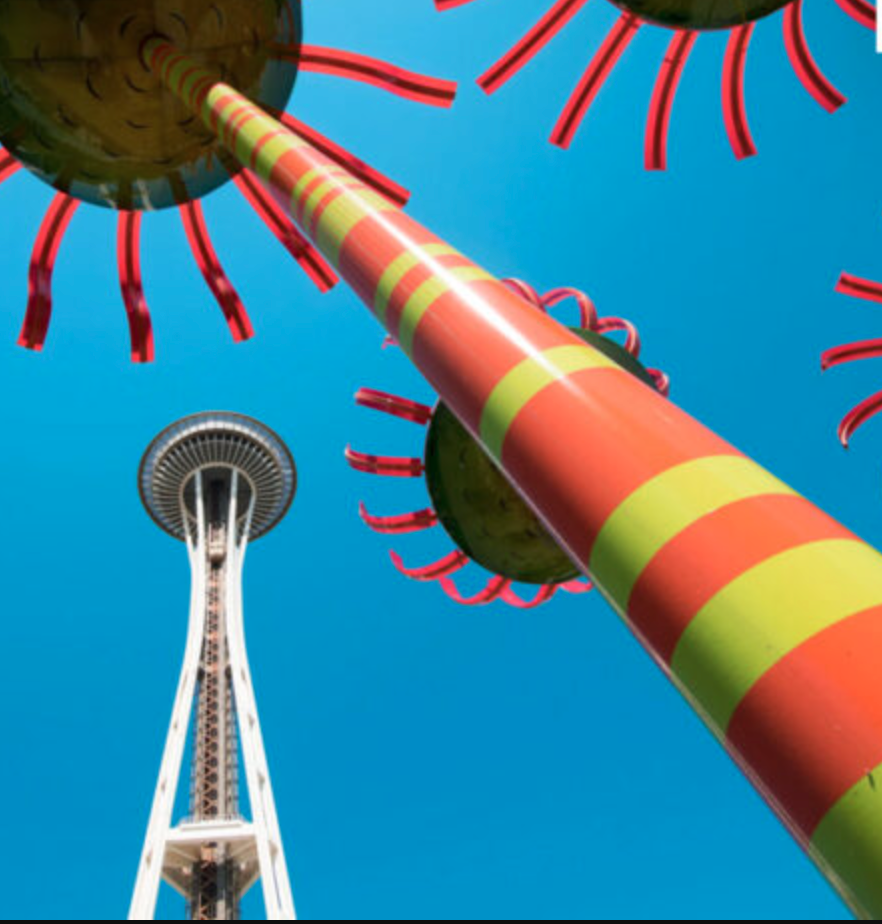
766	613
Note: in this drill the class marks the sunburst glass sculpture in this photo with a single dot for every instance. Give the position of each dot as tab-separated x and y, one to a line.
857	287
688	19
81	109
706	554
481	513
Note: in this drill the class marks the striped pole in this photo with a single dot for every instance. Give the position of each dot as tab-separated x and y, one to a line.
766	613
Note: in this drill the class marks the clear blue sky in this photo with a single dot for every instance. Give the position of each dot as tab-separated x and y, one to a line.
431	761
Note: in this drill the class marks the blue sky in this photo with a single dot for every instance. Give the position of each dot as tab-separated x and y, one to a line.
431	761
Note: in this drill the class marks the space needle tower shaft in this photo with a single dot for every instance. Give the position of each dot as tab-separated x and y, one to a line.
215	481
214	791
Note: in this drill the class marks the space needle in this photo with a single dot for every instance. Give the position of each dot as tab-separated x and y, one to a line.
215	481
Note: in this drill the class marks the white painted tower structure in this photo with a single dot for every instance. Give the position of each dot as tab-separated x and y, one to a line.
215	481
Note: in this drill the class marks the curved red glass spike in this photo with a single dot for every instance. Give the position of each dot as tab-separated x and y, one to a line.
529	46
860	10
417	87
383	184
442	568
442	5
577	587
209	265
39	309
632	338
543	595
663	95
526	291
496	586
851	352
272	215
8	165
804	64
734	110
857	287
414	522
128	241
598	71
662	381
858	416
394	405
390	466
587	311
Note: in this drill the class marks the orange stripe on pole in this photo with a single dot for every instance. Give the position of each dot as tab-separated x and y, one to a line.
459	349
829	691
625	449
305	193
314	223
666	506
412	281
355	205
366	256
727	543
767	613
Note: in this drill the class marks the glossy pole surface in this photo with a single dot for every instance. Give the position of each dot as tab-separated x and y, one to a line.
766	613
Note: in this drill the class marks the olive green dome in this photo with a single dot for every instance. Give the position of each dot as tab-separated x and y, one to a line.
79	108
701	15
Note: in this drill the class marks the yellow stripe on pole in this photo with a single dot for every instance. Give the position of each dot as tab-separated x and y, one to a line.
224	114
334	180
767	612
527	380
848	845
343	214
249	137
245	131
177	66
663	507
399	268
448	279
304	182
188	85
269	153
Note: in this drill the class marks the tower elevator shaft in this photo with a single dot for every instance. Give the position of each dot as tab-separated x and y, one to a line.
214	791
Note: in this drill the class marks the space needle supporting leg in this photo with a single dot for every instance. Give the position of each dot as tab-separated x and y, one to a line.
766	613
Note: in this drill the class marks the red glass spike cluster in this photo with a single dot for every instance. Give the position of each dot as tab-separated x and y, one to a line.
867	290
670	72
407	84
443	570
